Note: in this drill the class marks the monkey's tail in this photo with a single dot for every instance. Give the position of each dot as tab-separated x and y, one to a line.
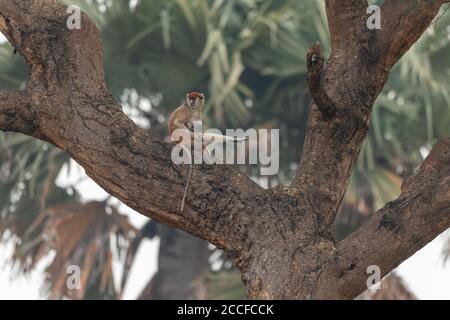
186	188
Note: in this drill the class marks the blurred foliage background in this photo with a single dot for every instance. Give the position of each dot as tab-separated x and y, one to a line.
248	57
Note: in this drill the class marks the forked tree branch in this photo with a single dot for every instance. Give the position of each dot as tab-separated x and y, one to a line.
356	72
281	239
67	104
397	231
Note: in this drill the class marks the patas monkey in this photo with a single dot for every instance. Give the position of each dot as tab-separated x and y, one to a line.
183	118
185	115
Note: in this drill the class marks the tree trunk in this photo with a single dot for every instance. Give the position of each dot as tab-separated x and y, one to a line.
182	266
282	239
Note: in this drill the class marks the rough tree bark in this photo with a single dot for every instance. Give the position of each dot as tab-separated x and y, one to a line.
281	239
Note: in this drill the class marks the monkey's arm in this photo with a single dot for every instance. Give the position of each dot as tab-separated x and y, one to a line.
181	125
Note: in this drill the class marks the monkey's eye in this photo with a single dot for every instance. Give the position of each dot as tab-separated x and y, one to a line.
201	97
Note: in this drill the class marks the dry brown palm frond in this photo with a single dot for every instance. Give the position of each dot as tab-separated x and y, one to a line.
80	235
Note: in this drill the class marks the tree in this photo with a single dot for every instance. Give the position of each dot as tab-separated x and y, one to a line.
66	103
122	23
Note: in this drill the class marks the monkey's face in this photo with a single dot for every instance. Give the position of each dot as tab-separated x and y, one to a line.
195	100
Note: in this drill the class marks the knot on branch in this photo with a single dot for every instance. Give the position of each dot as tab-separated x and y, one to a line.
315	65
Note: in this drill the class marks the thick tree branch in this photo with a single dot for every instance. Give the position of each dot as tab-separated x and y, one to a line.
345	21
67	104
54	53
15	114
397	231
403	23
281	239
358	68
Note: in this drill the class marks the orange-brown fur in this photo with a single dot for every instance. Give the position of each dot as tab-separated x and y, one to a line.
185	115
